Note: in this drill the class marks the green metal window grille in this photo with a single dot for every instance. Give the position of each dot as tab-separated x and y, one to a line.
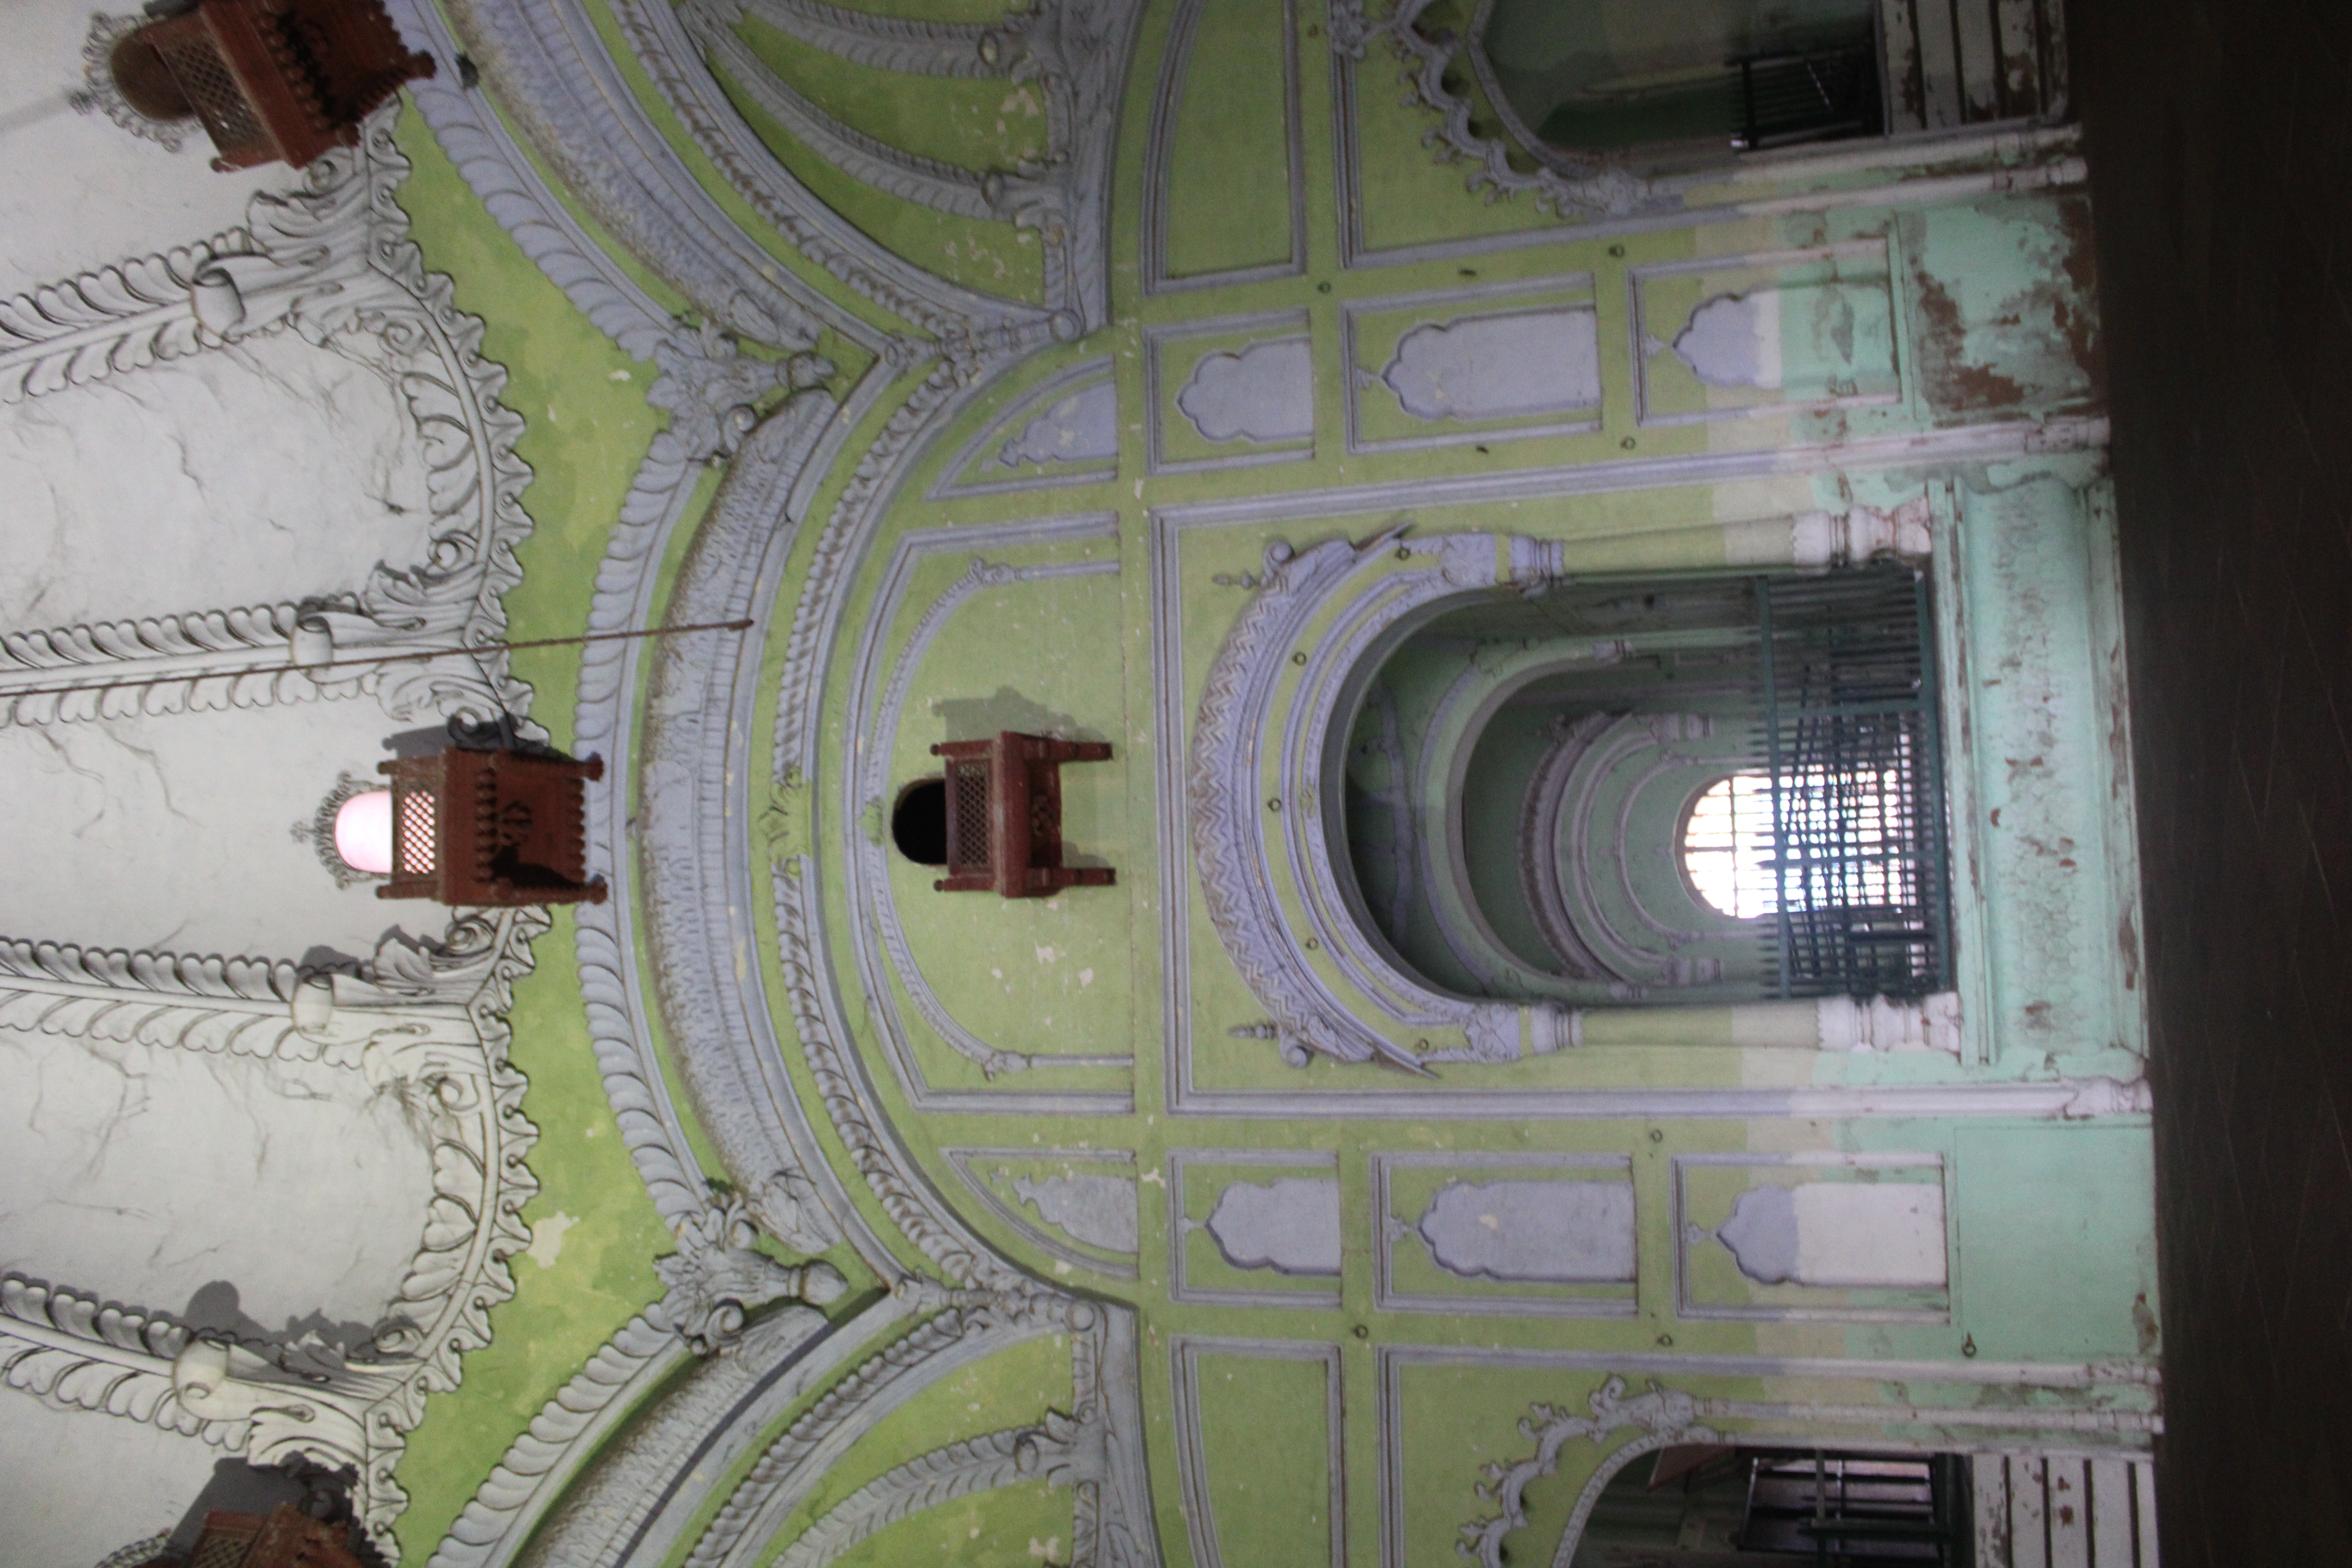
1852	747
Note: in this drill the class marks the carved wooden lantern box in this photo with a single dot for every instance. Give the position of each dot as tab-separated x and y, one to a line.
268	79
490	828
285	1538
1005	816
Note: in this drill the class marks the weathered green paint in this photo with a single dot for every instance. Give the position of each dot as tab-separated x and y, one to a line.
1967	312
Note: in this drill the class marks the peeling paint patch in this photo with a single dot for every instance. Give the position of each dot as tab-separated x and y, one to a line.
2006	306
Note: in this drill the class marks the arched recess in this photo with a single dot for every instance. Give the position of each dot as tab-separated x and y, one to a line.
1269	796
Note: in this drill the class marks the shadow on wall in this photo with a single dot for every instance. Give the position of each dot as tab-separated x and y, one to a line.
980	718
217	1309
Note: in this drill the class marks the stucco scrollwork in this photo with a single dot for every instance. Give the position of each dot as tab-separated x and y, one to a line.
1257	786
1042	1452
205	1003
1075	51
540	1462
1564	185
1098	1446
1663	1416
424	1021
680	863
716	1278
269	1405
330	260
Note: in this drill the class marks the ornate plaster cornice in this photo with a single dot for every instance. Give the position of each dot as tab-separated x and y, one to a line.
550	1452
237	1006
510	187
1075	51
550	72
1098	1446
1663	1416
332	261
422	1020
1042	1452
739	1090
1590	187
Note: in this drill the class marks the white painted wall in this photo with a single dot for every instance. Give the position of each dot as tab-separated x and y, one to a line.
174	832
80	190
252	474
143	1174
63	1503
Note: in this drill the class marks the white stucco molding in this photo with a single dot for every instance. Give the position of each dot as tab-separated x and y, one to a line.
330	260
550	73
420	1020
1075	51
1597	187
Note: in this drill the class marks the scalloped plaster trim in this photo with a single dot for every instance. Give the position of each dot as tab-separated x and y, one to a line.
1076	50
1040	1452
742	1098
548	1454
424	1021
499	172
568	98
966	322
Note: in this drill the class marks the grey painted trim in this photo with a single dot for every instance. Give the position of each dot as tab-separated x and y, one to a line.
1185	1352
551	73
633	1501
961	1158
1387	1231
994	1459
876	707
1686	1307
690	758
541	1465
1085	373
874	272
844	1082
1076	49
2030	157
1180	1227
1965	444
1355	378
1638	327
1279	326
891	43
611	981
746	1524
495	166
926	182
1160	158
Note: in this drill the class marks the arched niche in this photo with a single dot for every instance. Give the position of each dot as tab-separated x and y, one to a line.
1276	777
1681	81
1516	776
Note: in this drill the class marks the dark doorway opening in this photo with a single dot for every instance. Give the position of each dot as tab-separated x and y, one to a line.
918	822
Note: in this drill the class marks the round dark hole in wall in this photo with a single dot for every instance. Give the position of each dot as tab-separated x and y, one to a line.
918	822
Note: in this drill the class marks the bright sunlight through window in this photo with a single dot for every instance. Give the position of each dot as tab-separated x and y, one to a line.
1728	847
1729	851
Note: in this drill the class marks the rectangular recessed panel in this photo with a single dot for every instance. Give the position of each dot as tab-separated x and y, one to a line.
1226	149
1736	336
1258	1422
